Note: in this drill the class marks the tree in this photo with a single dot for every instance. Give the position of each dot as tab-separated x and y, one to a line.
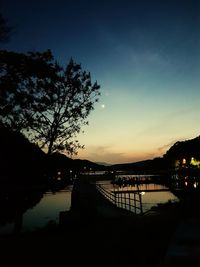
45	101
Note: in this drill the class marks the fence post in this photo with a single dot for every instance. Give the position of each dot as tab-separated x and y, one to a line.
135	204
140	198
129	200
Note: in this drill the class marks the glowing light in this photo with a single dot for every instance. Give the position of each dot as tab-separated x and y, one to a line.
142	193
177	163
184	161
186	183
102	106
194	162
195	185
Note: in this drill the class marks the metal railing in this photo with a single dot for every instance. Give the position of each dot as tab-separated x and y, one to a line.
130	201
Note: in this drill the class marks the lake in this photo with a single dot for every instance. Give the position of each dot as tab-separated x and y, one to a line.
45	212
46	209
158	194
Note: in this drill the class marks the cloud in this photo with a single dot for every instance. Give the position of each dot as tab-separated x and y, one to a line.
107	154
101	154
165	147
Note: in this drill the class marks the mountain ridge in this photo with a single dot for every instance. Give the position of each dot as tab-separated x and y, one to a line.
34	158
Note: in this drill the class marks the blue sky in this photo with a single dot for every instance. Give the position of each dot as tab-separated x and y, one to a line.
144	54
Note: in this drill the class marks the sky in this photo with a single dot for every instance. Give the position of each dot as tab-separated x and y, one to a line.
143	53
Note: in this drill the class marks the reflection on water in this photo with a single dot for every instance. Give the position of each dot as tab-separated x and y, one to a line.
47	210
158	194
151	199
140	187
34	216
33	210
14	202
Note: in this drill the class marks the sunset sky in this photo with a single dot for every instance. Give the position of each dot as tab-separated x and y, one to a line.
144	54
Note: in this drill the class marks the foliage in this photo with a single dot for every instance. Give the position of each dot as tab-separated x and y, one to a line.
20	159
47	102
184	149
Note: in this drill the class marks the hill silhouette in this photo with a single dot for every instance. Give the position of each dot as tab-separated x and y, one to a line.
184	149
20	159
181	149
24	161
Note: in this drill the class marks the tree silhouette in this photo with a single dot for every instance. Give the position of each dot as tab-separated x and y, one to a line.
45	101
184	150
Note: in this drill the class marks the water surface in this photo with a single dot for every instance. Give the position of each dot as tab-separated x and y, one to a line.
148	199
46	211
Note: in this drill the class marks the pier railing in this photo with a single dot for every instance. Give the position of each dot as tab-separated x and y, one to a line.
130	201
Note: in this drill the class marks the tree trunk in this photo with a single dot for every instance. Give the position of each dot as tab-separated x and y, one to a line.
50	147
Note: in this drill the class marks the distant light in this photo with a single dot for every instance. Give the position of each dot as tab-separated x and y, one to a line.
102	106
186	183
184	161
142	193
195	185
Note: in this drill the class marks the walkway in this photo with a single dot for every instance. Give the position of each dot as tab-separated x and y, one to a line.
88	203
87	199
184	248
113	236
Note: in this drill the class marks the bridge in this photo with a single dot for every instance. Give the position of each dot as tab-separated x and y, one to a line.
149	235
140	191
90	201
129	200
93	200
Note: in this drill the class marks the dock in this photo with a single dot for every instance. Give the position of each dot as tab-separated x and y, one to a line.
88	203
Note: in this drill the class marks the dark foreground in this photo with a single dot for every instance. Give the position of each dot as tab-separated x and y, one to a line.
123	241
94	233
